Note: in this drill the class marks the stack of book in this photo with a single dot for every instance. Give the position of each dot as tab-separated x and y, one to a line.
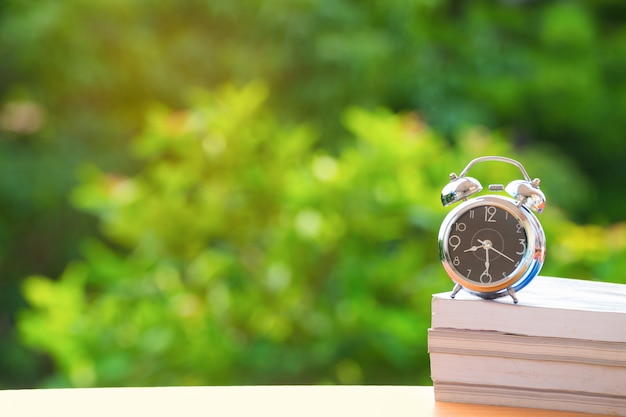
563	347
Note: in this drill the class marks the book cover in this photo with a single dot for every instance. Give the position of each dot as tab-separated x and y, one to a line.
486	343
524	373
548	307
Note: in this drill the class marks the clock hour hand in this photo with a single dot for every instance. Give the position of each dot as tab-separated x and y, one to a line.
473	249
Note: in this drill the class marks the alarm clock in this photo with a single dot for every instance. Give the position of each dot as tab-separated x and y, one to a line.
492	245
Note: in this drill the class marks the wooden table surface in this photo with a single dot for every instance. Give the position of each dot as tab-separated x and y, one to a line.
274	401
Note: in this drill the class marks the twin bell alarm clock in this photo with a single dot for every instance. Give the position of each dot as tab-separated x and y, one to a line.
492	245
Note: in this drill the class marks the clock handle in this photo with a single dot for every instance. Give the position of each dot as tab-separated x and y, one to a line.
496	158
525	191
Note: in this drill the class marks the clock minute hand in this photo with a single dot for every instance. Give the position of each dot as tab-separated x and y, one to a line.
501	254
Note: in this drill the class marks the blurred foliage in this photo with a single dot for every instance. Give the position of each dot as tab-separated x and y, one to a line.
238	254
76	78
548	73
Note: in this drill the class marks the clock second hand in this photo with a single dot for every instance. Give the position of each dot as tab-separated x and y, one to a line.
486	273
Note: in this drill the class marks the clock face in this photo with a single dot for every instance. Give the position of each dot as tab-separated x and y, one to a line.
486	244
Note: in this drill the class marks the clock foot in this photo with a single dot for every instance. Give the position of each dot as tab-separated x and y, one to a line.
456	289
511	292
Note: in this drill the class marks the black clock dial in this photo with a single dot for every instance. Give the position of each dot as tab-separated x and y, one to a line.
486	244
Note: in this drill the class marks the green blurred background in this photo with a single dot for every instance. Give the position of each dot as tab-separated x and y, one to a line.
247	192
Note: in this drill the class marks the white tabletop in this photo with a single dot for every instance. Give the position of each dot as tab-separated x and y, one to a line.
274	401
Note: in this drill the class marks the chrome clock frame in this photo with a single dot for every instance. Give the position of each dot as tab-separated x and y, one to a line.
529	266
